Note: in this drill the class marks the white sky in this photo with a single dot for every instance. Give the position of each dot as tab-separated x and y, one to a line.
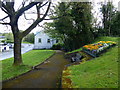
23	24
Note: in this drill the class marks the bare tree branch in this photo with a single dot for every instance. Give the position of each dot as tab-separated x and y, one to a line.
28	30
10	7
51	19
5	23
22	5
39	14
23	9
40	25
56	17
27	18
38	10
5	9
42	5
4	18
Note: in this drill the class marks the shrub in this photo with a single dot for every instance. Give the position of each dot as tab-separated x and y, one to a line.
3	41
57	46
7	41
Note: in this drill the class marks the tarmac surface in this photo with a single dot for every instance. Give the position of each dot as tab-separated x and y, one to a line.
9	54
46	75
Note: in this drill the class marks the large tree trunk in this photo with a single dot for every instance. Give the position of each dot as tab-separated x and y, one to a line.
13	15
17	50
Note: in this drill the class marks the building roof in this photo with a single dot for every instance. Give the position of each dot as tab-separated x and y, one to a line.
37	33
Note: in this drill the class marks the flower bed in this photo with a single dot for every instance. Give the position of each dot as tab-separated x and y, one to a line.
96	49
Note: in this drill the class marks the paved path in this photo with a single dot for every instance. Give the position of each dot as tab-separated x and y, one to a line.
47	75
9	54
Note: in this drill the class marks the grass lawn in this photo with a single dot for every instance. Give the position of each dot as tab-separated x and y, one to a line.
30	59
74	51
27	43
101	72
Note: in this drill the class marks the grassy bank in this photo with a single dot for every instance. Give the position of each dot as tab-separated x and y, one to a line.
115	39
30	59
101	72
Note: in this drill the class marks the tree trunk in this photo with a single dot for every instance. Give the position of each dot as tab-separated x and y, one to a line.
109	31
17	50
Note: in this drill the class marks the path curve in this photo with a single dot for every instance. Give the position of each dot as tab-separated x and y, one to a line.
47	75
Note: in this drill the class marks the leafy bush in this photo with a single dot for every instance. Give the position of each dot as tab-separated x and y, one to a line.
7	41
3	41
29	38
57	46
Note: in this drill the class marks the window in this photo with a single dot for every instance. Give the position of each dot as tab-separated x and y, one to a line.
57	41
39	40
48	41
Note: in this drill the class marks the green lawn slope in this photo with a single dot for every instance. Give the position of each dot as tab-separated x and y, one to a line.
100	72
115	39
30	59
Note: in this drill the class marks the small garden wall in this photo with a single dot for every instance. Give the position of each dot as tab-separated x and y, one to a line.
98	48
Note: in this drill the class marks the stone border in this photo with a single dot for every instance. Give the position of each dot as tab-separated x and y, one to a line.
99	53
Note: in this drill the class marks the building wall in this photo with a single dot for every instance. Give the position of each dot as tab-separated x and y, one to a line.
44	41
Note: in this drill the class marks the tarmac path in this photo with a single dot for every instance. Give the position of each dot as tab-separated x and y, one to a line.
46	75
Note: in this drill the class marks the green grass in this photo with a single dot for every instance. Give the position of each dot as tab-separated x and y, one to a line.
115	39
101	72
30	59
74	51
27	42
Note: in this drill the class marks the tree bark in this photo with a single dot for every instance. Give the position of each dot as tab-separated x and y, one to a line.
17	50
8	8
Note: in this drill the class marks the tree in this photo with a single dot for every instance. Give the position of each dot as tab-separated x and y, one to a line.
62	26
108	12
29	38
115	26
9	37
74	28
14	15
82	17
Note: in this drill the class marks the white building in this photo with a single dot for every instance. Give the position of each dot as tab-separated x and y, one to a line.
3	47
43	41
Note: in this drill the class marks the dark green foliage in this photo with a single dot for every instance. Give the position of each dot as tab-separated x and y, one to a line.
110	20
57	46
82	16
73	26
9	37
115	27
7	41
29	38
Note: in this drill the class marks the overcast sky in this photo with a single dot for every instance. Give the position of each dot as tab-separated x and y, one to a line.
23	24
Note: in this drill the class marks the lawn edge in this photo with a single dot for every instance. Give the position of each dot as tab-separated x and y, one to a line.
3	81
